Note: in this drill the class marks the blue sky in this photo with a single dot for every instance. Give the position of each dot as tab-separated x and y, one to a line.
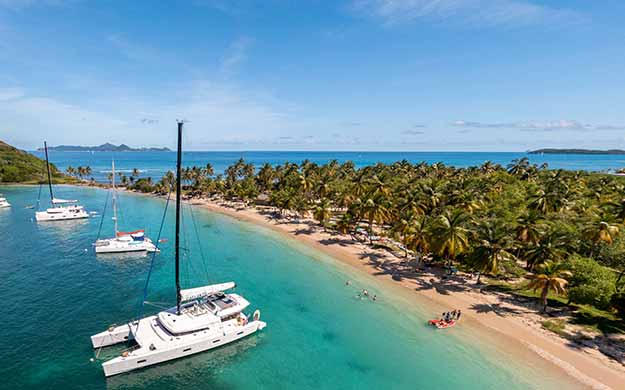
504	75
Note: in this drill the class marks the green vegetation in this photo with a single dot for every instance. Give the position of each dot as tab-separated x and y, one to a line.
556	326
562	230
17	166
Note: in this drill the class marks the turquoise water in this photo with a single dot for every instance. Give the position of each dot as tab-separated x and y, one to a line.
155	164
319	335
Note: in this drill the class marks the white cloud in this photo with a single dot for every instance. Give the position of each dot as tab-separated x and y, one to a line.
555	125
480	12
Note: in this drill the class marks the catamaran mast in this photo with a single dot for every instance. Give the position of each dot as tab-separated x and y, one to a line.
114	196
178	190
45	146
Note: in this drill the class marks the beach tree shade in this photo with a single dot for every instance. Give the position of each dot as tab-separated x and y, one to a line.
549	276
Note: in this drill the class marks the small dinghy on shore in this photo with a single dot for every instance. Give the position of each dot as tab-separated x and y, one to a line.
440	324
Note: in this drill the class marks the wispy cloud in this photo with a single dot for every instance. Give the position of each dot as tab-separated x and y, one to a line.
415	130
563	124
11	93
132	50
236	55
480	12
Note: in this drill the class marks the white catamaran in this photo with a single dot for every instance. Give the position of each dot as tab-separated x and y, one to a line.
204	318
62	209
135	241
4	202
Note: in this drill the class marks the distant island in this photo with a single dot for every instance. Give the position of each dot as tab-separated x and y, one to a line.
576	151
107	147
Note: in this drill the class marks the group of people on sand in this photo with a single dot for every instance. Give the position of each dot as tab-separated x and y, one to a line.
449	316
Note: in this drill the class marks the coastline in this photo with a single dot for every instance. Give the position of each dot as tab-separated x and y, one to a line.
514	327
513	324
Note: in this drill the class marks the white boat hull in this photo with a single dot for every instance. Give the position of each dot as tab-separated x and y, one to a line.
174	347
113	245
61	214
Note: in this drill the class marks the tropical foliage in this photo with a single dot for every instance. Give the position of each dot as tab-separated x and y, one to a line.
487	219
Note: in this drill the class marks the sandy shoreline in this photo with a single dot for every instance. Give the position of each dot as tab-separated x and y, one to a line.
515	323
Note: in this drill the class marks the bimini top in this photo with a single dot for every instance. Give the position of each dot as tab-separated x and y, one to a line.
63	201
136	233
199	292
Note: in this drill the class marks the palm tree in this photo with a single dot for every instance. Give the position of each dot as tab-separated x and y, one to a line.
135	173
449	234
552	246
549	276
529	228
519	167
375	209
417	236
322	213
493	248
209	171
600	231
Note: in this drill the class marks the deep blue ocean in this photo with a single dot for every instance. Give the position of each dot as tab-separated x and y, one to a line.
155	164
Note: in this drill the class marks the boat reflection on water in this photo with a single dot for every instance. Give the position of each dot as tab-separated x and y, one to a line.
203	368
122	256
64	228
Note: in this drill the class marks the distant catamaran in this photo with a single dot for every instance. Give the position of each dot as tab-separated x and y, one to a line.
62	209
4	202
203	318
135	241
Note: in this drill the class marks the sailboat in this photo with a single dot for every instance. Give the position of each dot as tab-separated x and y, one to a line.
62	209
4	202
134	241
204	318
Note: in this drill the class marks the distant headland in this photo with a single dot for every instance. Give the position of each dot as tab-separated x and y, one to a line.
576	151
107	147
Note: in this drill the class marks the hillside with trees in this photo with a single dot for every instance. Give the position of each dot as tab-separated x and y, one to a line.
18	166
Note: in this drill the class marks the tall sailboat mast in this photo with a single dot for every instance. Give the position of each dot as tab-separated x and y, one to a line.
45	147
178	190
114	196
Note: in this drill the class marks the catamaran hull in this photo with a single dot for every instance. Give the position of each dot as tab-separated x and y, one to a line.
41	216
198	344
143	247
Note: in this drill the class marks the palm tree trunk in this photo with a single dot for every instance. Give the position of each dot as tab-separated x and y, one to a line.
543	297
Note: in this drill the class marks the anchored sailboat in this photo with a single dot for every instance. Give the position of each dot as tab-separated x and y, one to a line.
62	209
134	241
203	318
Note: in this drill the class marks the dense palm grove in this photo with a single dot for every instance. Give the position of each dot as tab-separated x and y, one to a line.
563	230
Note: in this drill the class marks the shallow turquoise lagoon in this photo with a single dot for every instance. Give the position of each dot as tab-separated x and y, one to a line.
56	293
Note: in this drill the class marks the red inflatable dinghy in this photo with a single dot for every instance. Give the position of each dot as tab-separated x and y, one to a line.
442	324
